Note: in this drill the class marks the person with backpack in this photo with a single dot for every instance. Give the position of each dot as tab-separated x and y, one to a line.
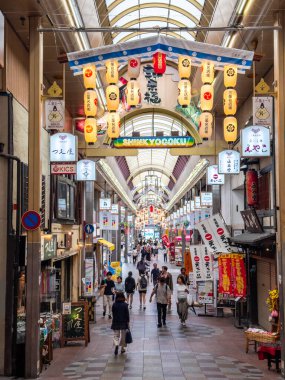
130	286
142	288
163	296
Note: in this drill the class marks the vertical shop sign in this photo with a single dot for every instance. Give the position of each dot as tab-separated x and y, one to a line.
114	222
207	268
221	232
225	284
208	236
255	141
229	162
89	276
197	262
238	276
262	110
151	95
54	113
105	220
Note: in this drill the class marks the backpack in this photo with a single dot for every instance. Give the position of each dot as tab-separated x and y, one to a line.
143	282
129	284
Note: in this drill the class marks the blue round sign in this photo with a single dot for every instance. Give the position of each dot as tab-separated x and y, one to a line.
89	229
31	220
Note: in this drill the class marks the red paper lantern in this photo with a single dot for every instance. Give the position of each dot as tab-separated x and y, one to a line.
151	208
159	63
252	187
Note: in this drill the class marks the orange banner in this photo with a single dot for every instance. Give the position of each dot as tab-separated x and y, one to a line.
225	286
239	277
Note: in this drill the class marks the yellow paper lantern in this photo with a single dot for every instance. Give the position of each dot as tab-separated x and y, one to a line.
112	74
230	129
208	72
206	125
90	102
133	93
112	97
184	92
89	76
90	130
134	66
184	66
113	125
230	101
207	97
230	75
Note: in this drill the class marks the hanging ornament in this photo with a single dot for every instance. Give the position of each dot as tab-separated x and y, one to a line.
252	187
89	76
133	93
230	76
113	125
208	72
230	101
134	66
112	97
159	63
230	129
112	74
90	130
184	66
206	125
90	102
207	97
184	93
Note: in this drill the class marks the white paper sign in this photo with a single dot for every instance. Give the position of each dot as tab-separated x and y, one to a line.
262	110
105	204
229	162
105	220
206	199
255	141
63	147
66	308
115	209
54	113
197	203
114	224
202	262
86	170
213	176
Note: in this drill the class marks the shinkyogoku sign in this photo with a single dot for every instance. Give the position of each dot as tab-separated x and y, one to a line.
154	142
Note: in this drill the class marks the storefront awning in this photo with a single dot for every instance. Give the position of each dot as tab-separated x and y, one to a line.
107	244
248	238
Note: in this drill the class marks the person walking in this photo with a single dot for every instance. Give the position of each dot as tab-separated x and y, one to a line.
164	252
130	286
163	294
142	288
119	286
120	323
185	275
169	281
135	255
108	285
182	305
141	266
155	273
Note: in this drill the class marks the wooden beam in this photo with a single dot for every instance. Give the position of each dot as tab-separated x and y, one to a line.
107	152
209	148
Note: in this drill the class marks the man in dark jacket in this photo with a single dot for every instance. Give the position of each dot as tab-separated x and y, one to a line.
155	273
120	323
130	286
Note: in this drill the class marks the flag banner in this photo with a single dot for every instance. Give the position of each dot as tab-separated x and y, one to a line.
225	286
239	277
202	262
232	275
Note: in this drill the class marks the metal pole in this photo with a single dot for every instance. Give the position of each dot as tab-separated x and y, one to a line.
34	237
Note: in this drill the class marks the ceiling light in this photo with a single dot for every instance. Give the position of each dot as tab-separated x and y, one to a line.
241	7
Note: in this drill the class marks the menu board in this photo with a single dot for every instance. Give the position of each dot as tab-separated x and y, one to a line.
205	292
75	326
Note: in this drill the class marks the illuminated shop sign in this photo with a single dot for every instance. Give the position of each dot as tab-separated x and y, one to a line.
63	147
213	176
86	170
255	141
154	142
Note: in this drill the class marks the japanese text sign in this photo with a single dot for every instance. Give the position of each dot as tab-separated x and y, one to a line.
255	141
262	110
214	177
54	113
63	147
86	170
229	162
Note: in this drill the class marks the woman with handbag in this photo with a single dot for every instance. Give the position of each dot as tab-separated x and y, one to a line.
182	304
120	323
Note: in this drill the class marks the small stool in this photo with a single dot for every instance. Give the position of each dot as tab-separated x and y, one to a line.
271	354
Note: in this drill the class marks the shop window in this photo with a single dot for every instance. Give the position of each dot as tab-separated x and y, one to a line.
65	200
264	192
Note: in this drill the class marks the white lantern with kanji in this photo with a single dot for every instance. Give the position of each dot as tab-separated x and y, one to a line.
133	93
230	101
89	76
113	125
184	92
206	125
112	97
134	65
90	103
112	73
207	97
90	130
208	72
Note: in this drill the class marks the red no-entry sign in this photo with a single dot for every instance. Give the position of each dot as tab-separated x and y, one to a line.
31	220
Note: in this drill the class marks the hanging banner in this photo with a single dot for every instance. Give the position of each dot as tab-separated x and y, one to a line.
225	285
214	177
63	147
197	262
262	110
86	170
54	114
206	199
165	240
89	276
105	220
197	203
114	222
238	276
214	234
105	203
202	262
255	141
115	209
229	162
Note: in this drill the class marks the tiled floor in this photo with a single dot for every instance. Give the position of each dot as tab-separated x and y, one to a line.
208	348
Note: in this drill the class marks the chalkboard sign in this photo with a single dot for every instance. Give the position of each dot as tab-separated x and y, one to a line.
75	326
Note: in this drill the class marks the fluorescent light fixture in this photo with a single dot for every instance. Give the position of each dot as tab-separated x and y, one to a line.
241	6
75	19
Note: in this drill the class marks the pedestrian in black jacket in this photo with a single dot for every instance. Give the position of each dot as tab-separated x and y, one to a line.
120	323
130	286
